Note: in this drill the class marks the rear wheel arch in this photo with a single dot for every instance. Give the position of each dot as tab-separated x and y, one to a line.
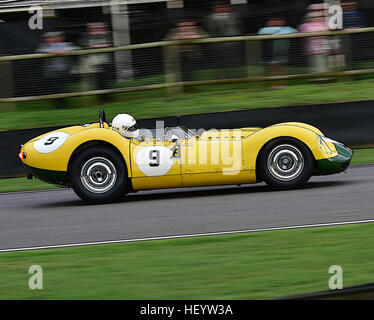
98	173
92	143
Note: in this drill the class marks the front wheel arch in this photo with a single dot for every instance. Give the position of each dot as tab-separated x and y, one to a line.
259	177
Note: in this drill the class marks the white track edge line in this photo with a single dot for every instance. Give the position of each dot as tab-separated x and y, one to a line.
58	246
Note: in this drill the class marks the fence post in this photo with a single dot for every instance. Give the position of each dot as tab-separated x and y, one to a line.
255	65
172	69
121	36
6	85
347	54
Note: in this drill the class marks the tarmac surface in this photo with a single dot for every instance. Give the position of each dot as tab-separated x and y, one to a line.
58	217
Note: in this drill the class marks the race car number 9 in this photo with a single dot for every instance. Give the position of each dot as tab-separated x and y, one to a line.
154	161
51	142
154	156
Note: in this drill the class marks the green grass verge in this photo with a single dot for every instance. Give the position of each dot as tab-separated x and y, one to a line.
361	156
203	99
23	184
248	266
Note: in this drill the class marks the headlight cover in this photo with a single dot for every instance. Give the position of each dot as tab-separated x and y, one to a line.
332	141
323	145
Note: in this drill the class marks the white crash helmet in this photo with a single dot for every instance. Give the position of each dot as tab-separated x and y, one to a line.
126	125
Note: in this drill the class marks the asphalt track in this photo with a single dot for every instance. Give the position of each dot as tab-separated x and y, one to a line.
47	218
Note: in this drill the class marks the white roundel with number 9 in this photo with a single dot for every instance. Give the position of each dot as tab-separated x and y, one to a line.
154	161
51	142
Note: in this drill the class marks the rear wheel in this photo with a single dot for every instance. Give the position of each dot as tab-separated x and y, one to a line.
286	163
98	175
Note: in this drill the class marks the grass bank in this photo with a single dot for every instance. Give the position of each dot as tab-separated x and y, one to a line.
203	99
248	266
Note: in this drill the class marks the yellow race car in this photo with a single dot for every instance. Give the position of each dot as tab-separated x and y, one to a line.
101	165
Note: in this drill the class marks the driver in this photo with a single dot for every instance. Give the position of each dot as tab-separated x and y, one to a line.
126	125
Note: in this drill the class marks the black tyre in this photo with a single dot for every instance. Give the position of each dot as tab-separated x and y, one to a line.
286	163
98	175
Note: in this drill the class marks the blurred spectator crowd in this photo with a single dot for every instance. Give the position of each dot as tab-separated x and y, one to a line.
324	53
97	71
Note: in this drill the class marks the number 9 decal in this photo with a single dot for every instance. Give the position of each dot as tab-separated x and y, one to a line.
154	156
154	161
50	142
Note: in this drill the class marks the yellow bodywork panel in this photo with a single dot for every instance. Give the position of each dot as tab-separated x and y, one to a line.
300	125
58	160
216	157
254	143
155	164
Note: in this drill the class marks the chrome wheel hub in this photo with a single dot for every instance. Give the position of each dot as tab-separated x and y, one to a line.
285	162
98	175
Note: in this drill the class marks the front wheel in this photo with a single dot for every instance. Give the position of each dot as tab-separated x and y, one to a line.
286	163
98	175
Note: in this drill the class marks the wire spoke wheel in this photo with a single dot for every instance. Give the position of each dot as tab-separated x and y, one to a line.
285	162
98	175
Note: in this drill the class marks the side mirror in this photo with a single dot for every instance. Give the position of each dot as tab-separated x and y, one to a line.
102	118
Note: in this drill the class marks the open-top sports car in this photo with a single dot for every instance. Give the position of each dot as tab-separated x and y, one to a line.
102	164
